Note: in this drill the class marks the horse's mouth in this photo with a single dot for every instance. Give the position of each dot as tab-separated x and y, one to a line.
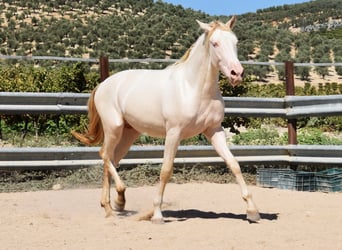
235	82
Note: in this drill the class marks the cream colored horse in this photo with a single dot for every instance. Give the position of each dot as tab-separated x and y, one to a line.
178	102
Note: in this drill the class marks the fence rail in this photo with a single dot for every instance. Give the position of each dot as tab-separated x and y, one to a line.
69	103
152	60
14	103
71	157
288	107
17	103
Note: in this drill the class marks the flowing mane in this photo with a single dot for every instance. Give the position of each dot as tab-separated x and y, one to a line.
184	58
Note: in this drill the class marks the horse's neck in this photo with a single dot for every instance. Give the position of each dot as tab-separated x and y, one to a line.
199	71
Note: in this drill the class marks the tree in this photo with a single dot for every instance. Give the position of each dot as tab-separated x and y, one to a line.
35	21
283	56
323	71
303	56
12	43
261	71
322	55
338	68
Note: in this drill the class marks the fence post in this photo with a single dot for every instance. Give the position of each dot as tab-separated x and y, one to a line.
104	68
290	90
0	129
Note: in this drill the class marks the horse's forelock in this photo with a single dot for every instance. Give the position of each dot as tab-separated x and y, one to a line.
215	25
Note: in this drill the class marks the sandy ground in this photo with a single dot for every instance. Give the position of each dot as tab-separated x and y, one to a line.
198	215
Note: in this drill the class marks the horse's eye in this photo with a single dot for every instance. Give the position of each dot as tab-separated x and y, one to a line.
215	44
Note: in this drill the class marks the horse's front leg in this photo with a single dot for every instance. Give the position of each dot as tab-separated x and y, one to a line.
217	137
171	144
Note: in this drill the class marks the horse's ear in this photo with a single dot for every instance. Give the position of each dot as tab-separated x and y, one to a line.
204	26
230	24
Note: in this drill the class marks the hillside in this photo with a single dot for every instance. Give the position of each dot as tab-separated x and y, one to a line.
308	32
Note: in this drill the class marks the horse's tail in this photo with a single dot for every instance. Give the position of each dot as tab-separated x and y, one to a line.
94	134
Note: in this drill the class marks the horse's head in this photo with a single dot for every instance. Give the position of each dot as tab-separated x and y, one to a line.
221	42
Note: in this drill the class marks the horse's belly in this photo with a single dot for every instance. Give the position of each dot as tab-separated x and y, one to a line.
145	122
141	107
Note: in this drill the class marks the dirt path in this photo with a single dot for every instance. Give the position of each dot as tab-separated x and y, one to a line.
199	216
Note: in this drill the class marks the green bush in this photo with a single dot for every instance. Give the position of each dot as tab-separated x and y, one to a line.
262	136
270	136
314	136
331	123
64	77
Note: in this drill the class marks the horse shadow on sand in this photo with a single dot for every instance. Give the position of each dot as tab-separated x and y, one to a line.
183	215
187	214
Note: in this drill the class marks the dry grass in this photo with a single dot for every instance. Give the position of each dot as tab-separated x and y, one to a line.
91	177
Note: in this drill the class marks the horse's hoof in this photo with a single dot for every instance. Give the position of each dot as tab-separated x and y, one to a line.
145	216
108	209
109	213
253	216
119	206
158	221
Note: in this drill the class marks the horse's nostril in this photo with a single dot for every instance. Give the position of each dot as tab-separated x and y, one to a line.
233	73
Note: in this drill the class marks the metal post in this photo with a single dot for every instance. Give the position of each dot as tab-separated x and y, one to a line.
104	68
290	90
0	129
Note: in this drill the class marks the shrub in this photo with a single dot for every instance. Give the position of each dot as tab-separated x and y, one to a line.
262	136
270	136
314	136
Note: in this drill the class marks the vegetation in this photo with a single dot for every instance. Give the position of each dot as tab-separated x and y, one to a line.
24	181
154	29
270	136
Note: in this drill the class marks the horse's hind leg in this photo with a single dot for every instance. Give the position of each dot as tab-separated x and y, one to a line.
113	133
218	139
105	197
128	137
115	147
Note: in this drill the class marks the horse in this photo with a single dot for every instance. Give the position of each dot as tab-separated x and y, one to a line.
177	102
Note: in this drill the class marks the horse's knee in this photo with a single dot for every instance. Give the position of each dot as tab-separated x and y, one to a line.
246	195
234	167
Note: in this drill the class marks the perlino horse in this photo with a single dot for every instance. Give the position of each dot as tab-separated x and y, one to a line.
177	102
